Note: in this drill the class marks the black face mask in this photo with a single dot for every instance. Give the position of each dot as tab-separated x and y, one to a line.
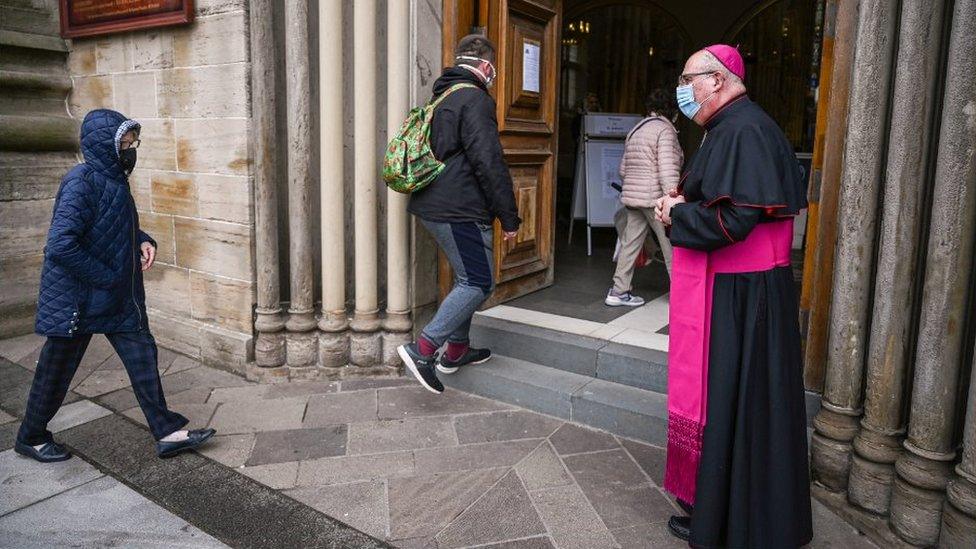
127	159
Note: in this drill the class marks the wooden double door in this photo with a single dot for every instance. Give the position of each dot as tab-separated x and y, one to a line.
526	35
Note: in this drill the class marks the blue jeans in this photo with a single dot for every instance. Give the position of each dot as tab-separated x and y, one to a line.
468	247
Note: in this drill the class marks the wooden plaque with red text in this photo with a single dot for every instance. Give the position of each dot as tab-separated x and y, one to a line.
94	17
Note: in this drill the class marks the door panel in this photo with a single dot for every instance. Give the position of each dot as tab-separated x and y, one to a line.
527	128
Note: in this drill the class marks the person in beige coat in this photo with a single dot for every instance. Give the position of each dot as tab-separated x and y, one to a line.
650	168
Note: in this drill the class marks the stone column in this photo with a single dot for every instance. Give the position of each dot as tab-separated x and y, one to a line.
398	48
269	346
923	469
365	341
333	324
878	444
302	342
833	154
959	516
836	424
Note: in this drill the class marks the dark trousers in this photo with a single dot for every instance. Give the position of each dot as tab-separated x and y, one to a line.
57	365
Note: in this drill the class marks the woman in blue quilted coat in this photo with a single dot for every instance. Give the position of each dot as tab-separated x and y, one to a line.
91	283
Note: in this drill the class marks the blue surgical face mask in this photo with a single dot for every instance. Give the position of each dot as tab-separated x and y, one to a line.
686	100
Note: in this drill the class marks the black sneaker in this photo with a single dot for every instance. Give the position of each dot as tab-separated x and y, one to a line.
421	367
473	356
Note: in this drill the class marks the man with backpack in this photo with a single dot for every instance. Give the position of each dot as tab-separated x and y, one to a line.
459	206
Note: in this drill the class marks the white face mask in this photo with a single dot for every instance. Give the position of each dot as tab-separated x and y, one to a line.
489	79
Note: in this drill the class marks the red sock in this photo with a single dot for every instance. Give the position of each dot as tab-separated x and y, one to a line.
456	350
426	347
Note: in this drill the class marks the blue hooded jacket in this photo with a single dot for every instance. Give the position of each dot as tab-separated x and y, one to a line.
91	281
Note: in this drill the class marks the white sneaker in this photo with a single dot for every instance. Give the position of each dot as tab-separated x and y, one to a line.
625	299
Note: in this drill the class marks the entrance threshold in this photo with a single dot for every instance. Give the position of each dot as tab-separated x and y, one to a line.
645	327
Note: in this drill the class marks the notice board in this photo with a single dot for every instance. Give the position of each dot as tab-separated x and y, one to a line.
95	17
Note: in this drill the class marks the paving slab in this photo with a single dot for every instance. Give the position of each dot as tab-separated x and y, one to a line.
573	439
232	507
362	505
418	402
301	388
543	469
329	409
76	413
6	418
26	481
181	363
8	435
16	348
373	437
103	381
528	543
376	383
650	458
100	513
128	451
475	456
570	519
280	476
201	376
421	506
230	450
506	425
618	489
298	444
503	513
258	415
125	398
198	415
235	394
647	536
344	469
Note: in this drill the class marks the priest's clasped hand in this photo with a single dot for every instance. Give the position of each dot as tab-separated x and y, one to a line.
662	209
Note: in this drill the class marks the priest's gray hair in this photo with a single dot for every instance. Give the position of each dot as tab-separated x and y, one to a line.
712	64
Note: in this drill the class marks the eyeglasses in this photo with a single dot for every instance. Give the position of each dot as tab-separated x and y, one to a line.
688	78
130	144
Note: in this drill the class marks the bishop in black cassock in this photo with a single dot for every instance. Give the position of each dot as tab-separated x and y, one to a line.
737	448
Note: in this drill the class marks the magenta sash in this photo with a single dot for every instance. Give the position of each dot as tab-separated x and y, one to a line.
692	280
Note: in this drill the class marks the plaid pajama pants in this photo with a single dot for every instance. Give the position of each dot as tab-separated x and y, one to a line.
57	364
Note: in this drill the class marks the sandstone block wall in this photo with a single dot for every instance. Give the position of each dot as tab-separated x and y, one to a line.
38	142
189	87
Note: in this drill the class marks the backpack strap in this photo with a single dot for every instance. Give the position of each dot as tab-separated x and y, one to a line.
449	91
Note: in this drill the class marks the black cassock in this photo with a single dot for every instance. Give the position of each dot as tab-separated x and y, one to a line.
753	479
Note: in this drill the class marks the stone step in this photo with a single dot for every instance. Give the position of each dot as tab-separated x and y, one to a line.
629	365
620	409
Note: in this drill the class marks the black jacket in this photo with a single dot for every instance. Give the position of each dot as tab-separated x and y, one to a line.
475	184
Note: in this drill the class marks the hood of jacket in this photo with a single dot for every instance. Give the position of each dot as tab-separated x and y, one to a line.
456	75
101	133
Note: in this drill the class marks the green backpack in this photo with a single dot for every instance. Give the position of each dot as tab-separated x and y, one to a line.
409	164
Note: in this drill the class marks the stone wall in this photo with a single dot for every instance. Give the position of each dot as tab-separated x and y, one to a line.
38	141
188	86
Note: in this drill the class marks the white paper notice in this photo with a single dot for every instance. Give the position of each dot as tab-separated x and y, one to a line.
610	166
530	67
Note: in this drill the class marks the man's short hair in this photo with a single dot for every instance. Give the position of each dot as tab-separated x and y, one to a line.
475	45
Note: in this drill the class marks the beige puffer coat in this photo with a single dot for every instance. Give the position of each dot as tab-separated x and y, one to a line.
651	165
